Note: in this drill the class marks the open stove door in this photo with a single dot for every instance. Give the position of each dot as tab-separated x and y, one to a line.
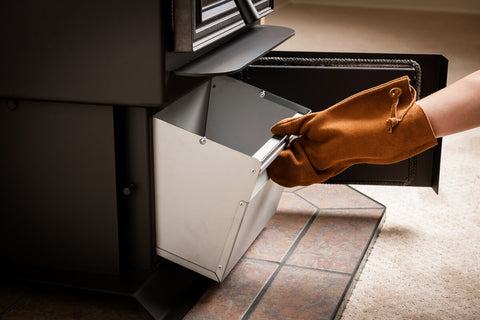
319	80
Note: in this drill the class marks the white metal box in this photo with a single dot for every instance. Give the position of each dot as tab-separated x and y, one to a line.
212	192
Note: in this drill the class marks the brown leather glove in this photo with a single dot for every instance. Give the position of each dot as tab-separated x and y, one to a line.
381	125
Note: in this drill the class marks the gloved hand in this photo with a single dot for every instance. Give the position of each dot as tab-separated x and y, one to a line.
381	125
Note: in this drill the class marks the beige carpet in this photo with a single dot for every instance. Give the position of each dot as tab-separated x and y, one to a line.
426	261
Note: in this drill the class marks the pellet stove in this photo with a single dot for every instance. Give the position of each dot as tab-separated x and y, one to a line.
135	138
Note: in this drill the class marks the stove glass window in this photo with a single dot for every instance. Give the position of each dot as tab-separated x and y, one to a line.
200	23
212	8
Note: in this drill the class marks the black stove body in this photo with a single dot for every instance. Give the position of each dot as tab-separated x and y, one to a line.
80	83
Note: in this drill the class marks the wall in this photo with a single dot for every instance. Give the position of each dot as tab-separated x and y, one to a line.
281	3
460	6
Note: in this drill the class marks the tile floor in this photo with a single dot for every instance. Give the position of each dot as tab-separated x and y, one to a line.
302	266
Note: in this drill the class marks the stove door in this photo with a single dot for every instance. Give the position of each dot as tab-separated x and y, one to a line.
319	80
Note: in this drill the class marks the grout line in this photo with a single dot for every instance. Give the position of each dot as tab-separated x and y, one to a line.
260	260
260	294
350	208
381	206
309	202
341	305
366	196
13	305
322	270
298	266
295	191
270	280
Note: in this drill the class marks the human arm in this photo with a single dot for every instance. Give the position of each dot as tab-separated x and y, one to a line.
456	107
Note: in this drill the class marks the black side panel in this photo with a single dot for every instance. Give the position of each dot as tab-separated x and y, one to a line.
135	188
58	200
87	51
319	80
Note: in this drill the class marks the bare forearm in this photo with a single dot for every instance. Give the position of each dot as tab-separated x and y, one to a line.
455	108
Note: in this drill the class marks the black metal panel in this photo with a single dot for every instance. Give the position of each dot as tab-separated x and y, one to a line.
168	292
237	53
135	188
58	199
433	67
88	51
318	85
171	291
